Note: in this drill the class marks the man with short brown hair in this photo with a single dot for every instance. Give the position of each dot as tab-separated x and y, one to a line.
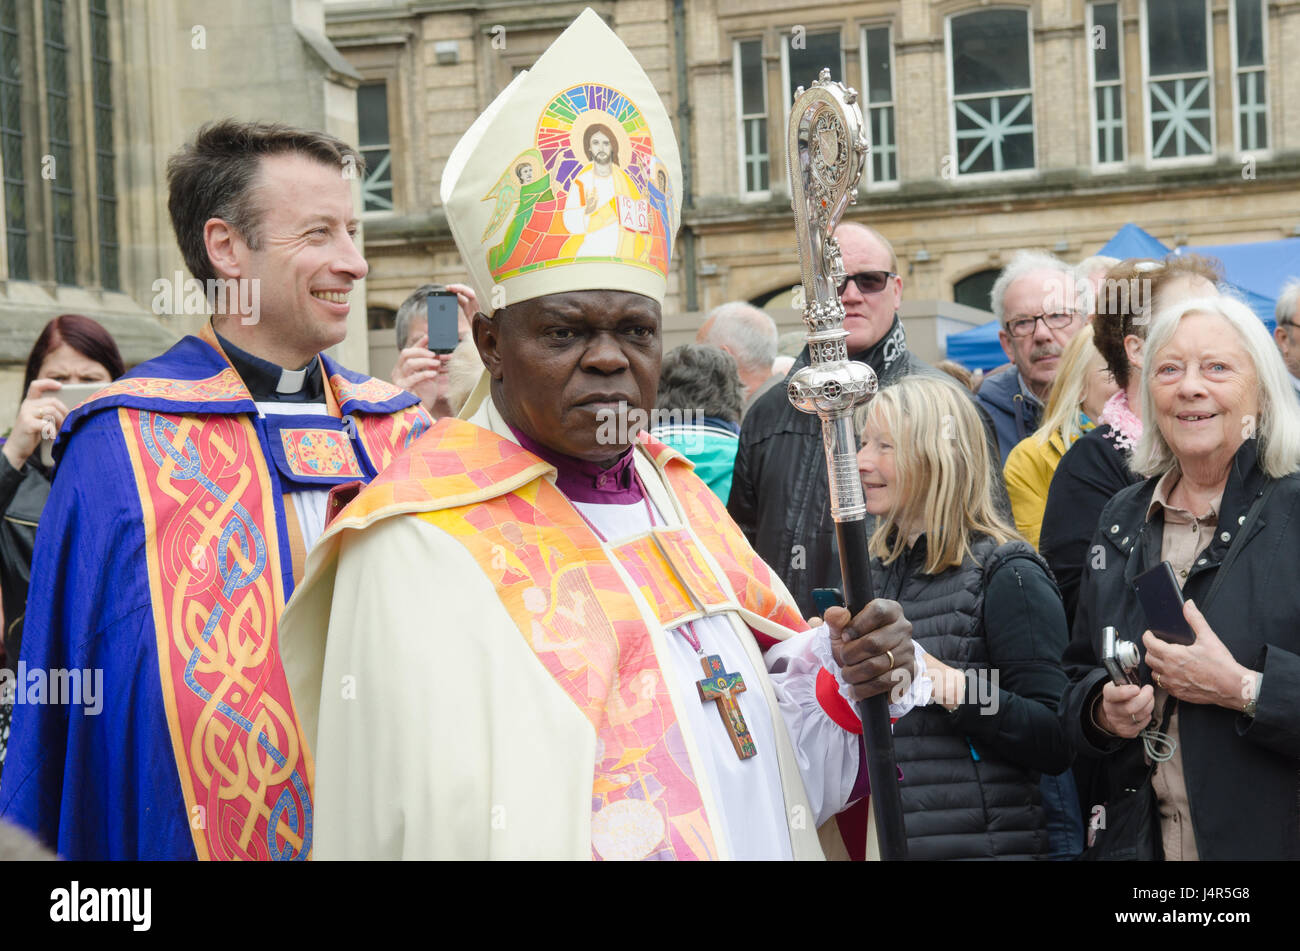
187	496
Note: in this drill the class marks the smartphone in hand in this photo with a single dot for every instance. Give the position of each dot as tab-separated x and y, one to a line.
1162	600
71	395
825	598
444	321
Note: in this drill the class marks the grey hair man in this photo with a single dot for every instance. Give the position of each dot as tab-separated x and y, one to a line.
748	334
1033	299
418	369
1286	334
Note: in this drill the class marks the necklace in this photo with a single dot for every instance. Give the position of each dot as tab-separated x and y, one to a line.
719	685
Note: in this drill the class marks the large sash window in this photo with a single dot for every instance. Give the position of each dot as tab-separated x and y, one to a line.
992	91
58	160
1179	86
11	142
878	108
751	106
372	130
1106	46
1250	88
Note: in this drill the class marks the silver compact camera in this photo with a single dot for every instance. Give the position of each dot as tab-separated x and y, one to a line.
1119	656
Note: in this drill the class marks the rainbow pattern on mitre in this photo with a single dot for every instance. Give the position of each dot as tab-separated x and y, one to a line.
570	180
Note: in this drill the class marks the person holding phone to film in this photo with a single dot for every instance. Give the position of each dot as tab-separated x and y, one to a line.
71	350
1220	452
431	325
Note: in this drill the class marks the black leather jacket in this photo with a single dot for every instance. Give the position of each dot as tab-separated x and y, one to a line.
780	495
22	497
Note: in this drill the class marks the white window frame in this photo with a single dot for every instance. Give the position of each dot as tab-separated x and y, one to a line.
785	75
1237	71
742	117
868	106
372	171
1094	121
1008	174
785	61
1175	161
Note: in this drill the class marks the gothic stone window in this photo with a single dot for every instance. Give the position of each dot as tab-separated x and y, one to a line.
57	143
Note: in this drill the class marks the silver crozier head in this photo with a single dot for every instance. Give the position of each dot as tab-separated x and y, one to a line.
827	150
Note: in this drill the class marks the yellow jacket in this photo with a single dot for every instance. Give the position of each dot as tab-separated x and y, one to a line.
1028	472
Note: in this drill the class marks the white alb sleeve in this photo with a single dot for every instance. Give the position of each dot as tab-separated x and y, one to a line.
823	725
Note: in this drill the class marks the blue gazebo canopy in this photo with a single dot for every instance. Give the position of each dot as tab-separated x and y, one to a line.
1256	271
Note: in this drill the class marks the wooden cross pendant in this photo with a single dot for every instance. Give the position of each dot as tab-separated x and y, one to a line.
722	688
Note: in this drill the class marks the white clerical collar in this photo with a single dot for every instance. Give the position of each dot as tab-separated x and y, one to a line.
291	381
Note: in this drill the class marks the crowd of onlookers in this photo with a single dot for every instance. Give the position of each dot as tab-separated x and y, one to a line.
1144	416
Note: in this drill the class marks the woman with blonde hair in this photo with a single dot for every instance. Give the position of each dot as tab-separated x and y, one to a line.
1083	384
982	604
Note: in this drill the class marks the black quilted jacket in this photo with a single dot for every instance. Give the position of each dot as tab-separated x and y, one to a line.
970	778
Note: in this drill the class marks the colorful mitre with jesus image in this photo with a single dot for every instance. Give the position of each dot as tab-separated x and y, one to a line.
592	184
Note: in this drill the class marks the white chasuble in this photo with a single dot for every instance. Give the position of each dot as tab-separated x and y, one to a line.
446	724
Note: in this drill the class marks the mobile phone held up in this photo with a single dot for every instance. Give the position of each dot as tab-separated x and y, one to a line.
444	321
1162	600
71	395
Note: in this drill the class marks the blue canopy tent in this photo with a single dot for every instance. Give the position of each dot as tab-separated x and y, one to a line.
1255	271
977	349
1131	241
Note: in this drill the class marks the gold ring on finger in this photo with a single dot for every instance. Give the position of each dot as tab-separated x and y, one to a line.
1158	683
891	659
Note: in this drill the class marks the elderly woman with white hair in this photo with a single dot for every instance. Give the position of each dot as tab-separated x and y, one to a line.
1201	754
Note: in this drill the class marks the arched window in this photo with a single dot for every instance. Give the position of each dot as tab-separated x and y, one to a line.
992	94
973	290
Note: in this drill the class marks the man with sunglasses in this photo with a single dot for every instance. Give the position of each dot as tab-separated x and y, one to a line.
1034	299
1287	335
779	491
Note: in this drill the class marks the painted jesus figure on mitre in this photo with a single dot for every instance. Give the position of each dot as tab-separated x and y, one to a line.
530	639
591	206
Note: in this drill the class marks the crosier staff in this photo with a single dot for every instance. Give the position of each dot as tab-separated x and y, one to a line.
826	150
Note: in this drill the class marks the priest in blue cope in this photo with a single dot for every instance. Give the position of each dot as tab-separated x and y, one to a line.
185	499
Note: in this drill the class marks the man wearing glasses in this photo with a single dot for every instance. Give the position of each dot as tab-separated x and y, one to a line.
779	491
1286	334
1035	301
